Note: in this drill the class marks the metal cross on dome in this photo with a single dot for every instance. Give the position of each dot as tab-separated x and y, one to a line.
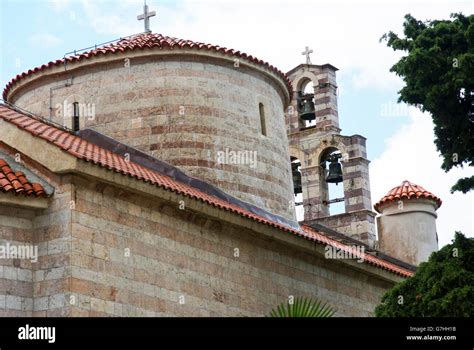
146	16
306	53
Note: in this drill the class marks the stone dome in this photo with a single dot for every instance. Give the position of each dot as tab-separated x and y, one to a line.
216	113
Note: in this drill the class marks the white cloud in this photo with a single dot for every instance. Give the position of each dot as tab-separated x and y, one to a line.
118	20
45	40
410	154
343	33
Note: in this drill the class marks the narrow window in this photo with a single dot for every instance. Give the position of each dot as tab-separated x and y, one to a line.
263	126
75	117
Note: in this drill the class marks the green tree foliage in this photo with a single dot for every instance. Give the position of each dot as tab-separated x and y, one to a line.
302	307
441	287
438	72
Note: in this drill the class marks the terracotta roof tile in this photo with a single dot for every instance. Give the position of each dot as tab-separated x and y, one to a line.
149	41
17	183
89	152
407	190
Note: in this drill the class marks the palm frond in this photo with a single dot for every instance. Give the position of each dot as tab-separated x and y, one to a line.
302	307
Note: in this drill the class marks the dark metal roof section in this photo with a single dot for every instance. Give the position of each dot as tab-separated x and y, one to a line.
337	236
164	168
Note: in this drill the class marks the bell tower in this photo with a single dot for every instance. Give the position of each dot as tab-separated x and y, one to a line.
321	156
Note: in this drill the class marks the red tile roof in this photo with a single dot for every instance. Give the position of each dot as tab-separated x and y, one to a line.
16	182
89	152
148	41
407	190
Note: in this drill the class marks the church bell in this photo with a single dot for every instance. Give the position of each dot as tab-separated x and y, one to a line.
306	106
296	178
335	171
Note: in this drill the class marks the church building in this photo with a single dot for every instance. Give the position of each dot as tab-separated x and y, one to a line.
155	176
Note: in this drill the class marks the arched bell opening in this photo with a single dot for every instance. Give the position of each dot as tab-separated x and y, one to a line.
331	184
305	103
297	187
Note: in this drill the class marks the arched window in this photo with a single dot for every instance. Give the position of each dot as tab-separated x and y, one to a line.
263	126
297	187
332	185
306	88
75	116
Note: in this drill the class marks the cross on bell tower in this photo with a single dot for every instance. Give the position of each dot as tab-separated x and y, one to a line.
146	17
306	53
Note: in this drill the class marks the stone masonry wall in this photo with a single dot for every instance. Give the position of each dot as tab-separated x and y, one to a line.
37	288
133	256
52	234
115	253
42	285
16	275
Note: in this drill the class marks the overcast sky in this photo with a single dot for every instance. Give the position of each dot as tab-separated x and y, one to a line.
343	33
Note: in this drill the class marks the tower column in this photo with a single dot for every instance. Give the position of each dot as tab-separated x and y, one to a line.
356	184
312	195
325	100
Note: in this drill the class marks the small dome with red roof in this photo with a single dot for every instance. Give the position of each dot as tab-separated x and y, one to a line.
407	190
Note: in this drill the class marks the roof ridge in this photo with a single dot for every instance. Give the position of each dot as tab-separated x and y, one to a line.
141	41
